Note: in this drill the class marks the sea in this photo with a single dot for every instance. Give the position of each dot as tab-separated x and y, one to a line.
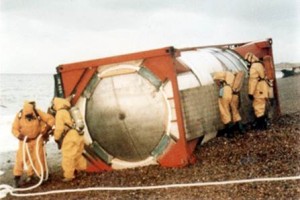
14	90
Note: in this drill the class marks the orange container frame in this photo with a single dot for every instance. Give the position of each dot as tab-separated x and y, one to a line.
74	78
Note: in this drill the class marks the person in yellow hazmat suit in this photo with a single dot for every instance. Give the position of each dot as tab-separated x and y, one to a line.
235	102
228	102
30	122
69	139
258	90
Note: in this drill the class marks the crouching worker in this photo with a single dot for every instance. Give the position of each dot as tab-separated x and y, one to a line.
228	102
30	122
258	90
68	139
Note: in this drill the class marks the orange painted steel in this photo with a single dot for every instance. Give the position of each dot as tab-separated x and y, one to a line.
97	164
177	154
115	59
259	48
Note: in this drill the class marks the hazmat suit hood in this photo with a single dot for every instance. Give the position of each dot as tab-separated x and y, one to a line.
60	103
28	109
27	122
226	76
251	58
219	76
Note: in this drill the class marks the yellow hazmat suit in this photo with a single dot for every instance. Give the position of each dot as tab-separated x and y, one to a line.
225	81
234	105
73	143
257	88
30	122
228	101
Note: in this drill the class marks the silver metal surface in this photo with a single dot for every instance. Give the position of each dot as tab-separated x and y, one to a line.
206	61
229	59
126	115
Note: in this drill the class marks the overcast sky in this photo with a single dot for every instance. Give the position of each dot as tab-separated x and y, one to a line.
38	35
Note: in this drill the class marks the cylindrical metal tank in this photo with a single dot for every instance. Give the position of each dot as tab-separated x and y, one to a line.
128	113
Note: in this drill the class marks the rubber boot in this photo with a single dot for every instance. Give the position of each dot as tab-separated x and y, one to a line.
229	130
265	125
256	124
259	123
29	179
17	180
262	122
67	179
241	129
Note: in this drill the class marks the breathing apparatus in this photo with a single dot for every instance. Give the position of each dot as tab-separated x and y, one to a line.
51	110
78	119
78	122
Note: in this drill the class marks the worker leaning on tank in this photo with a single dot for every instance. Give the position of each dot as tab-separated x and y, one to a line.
229	87
28	124
258	89
69	138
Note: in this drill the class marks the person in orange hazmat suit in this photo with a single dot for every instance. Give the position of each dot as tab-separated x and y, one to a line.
228	102
30	122
258	90
69	139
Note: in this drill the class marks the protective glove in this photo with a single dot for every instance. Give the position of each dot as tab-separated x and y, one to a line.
250	97
59	143
272	102
31	139
21	137
51	111
46	137
80	131
51	131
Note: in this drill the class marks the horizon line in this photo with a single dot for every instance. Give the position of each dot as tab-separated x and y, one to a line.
23	73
